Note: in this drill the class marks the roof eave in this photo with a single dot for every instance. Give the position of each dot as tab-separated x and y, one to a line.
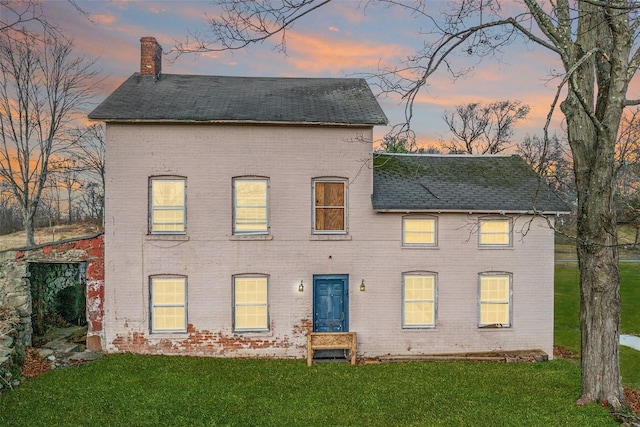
234	122
474	211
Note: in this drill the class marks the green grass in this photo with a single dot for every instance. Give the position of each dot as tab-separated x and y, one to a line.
567	312
127	389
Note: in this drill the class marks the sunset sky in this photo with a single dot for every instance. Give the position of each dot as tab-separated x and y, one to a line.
345	39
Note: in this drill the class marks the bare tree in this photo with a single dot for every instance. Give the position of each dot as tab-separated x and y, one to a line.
594	40
478	128
627	197
15	15
89	151
92	201
552	162
64	175
43	84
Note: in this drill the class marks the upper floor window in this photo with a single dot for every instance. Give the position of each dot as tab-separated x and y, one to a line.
329	206
494	232
250	303
494	300
419	300
168	304
250	206
167	205
418	231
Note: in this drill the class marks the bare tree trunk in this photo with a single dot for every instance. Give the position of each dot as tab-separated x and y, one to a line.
598	70
27	223
599	304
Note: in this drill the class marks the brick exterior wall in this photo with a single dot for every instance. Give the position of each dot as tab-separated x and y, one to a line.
210	156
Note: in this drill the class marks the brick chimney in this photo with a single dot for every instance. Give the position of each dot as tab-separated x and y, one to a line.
150	57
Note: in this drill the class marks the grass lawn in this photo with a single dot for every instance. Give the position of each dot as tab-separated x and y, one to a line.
138	390
567	309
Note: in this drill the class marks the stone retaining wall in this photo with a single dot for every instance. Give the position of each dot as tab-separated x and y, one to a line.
10	358
15	290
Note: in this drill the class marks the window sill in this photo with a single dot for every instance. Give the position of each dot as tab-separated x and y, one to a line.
325	237
421	247
178	237
420	329
500	248
494	328
240	237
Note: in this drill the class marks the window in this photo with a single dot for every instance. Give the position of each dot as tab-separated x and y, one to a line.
250	206
418	231
419	300
250	303
168	304
329	207
495	300
494	232
167	205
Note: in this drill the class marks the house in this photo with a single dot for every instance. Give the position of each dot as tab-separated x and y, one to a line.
244	213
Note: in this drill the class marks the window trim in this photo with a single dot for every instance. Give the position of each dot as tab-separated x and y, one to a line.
267	231
495	245
234	304
509	303
327	180
182	179
152	305
434	301
420	218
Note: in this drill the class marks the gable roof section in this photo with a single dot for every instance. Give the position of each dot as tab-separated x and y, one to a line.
454	183
193	98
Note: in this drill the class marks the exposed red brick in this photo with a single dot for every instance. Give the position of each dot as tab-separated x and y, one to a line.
84	244
205	343
150	56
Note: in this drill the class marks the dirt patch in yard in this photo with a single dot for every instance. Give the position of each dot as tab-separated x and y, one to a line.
34	365
633	397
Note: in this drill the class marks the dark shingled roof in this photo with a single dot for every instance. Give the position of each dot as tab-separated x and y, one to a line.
192	98
459	183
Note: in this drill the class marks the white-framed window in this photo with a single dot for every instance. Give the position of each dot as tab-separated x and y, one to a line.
168	304
494	232
418	300
250	206
250	303
167	205
329	206
417	231
494	300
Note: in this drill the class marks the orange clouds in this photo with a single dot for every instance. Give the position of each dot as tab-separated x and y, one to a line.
103	19
313	53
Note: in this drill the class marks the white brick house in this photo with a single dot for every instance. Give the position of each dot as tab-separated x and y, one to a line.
243	213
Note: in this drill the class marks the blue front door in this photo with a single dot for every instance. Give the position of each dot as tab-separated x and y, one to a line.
331	303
